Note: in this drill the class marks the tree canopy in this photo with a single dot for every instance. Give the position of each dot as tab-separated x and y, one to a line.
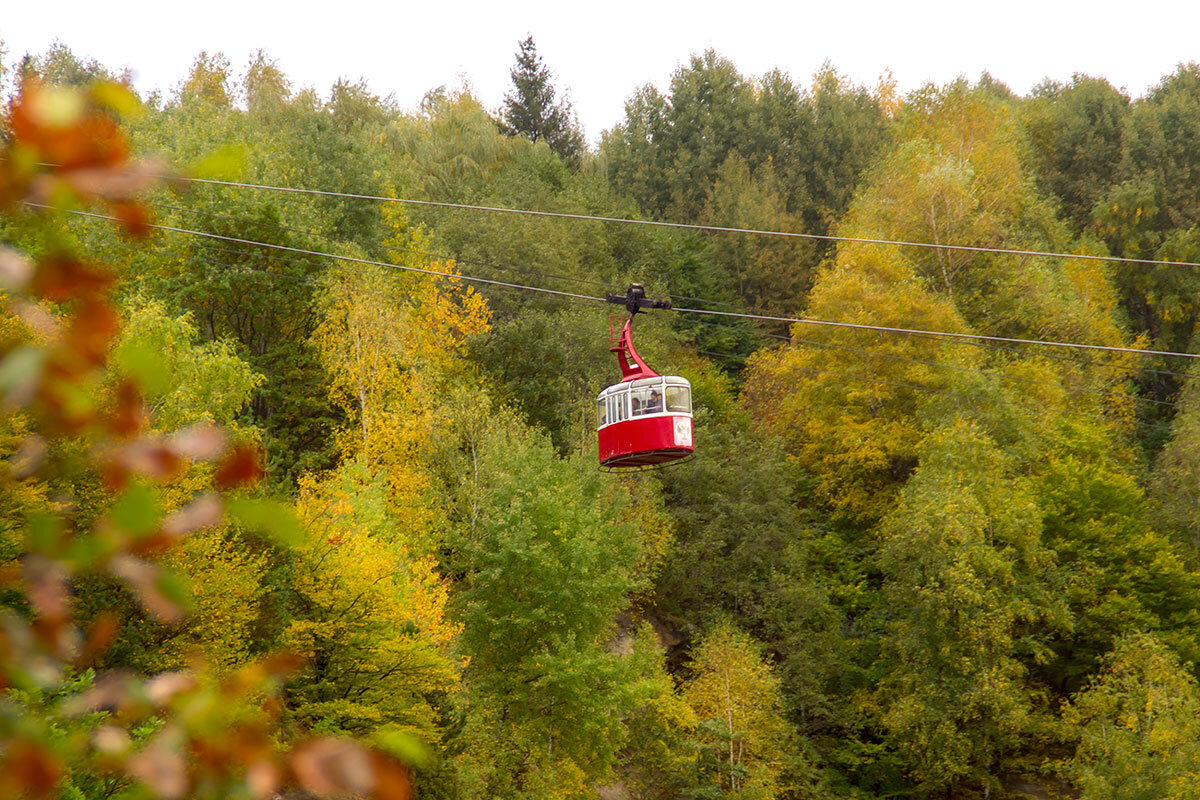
328	517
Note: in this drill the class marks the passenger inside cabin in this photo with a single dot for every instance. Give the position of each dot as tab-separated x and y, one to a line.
637	407
654	406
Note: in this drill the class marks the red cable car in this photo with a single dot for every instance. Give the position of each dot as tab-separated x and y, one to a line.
646	419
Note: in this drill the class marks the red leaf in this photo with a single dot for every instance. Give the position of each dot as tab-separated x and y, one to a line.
202	442
29	457
29	770
241	466
62	276
142	577
262	779
15	269
99	634
69	138
134	217
46	588
165	685
329	767
129	415
91	330
203	512
161	766
392	779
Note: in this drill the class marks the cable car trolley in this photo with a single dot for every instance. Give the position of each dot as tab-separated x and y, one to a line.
645	420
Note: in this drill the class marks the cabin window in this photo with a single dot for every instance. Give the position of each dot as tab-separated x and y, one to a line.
646	400
601	412
679	399
638	400
616	409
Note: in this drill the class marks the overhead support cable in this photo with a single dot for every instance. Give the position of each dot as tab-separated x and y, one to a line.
574	296
936	390
947	335
954	367
352	259
689	225
425	254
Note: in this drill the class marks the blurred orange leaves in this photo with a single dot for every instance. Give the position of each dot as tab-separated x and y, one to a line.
221	733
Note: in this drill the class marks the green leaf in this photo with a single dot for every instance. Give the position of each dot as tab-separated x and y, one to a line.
174	588
118	98
143	362
136	511
225	163
402	745
20	370
88	550
271	517
42	529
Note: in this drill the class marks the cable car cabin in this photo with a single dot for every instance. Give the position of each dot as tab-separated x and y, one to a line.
646	419
645	422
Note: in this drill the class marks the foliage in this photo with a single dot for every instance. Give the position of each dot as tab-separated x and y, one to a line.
368	615
1075	135
546	559
966	573
1136	725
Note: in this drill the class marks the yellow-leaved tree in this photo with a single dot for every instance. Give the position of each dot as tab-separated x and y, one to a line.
369	600
189	383
392	343
852	405
744	739
369	614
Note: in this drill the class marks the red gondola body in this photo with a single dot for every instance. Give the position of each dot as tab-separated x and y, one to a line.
646	419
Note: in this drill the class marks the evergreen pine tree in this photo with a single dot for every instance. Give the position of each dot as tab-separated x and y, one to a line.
530	108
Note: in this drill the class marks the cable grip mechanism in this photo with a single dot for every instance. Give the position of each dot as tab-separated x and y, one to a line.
635	299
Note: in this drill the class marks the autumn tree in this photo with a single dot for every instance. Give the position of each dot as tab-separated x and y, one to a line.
199	731
208	81
744	740
367	607
1135	726
264	85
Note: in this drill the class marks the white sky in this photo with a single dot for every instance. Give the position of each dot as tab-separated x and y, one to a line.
602	52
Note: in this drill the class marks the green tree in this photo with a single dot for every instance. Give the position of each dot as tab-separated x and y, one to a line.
1075	132
532	110
667	152
545	558
1117	571
1175	480
772	275
744	551
198	381
967	596
61	67
1154	211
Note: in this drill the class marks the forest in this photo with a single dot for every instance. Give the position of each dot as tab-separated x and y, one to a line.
294	505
